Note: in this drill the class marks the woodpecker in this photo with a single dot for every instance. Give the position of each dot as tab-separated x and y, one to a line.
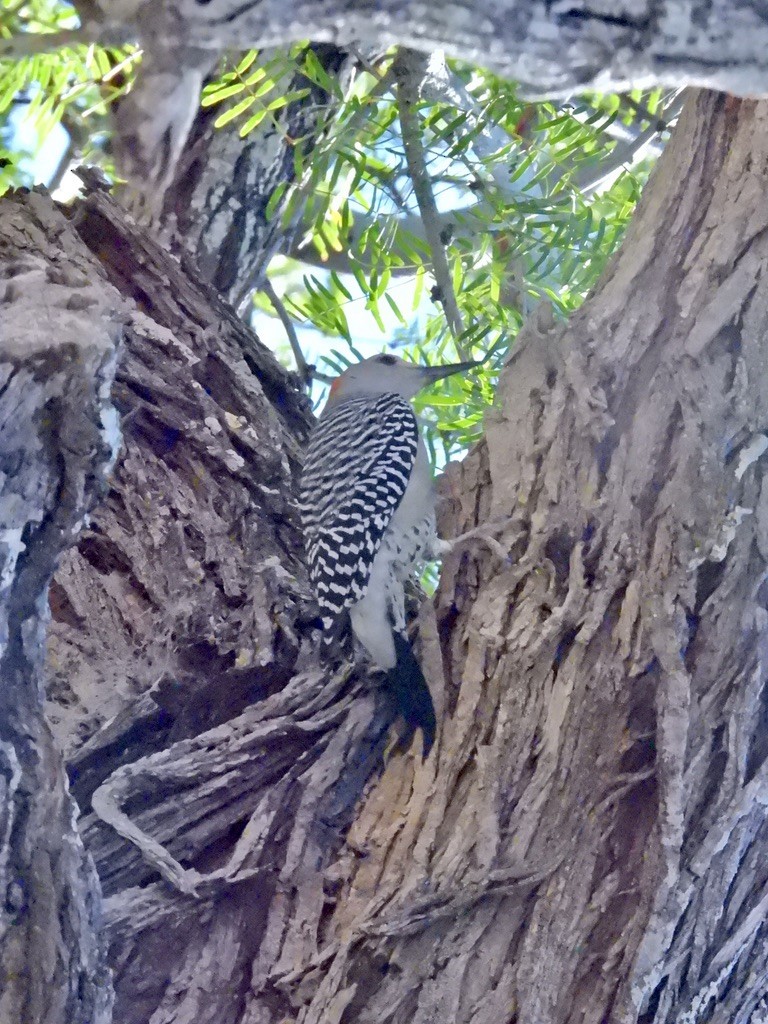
367	504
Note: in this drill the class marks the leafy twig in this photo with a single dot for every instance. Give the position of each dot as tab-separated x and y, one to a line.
659	119
627	154
325	138
407	96
27	44
302	366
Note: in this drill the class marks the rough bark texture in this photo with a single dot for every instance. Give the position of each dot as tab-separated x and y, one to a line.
223	184
549	46
585	841
605	736
205	409
58	439
184	682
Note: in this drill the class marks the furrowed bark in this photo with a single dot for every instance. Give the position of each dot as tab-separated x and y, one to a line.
217	203
216	763
58	441
586	845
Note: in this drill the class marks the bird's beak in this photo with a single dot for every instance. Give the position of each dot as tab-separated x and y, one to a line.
430	374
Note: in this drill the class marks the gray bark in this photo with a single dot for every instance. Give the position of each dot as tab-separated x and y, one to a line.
58	440
223	183
551	48
214	761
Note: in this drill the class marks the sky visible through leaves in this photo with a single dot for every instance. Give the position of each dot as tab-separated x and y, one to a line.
529	200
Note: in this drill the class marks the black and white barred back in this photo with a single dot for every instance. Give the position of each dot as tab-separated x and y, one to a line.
360	458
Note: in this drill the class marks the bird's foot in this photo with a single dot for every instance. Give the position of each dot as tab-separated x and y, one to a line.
483	534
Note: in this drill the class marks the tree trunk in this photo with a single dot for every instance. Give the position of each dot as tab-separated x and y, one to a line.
587	843
58	439
584	843
183	675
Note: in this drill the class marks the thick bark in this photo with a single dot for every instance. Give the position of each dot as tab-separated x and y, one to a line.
204	408
587	843
184	681
58	439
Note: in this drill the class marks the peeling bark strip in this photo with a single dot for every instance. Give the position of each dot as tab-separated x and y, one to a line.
58	440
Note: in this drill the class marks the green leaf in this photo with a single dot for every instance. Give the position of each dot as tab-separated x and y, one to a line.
314	70
246	62
233	112
275	199
395	309
253	122
211	98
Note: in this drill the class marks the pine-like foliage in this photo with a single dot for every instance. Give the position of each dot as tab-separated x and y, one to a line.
528	200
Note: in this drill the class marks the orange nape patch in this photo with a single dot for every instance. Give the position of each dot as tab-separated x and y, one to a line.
335	384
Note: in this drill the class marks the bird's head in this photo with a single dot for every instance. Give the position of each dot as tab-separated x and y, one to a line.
388	374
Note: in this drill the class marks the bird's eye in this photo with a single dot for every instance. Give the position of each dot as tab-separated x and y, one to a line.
388	360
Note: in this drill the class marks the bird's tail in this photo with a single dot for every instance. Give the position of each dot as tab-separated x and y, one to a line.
414	701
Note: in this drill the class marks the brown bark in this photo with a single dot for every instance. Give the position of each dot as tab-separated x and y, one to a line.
586	844
184	682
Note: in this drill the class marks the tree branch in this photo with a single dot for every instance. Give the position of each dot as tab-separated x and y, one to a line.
626	154
60	439
28	44
406	69
302	366
550	52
